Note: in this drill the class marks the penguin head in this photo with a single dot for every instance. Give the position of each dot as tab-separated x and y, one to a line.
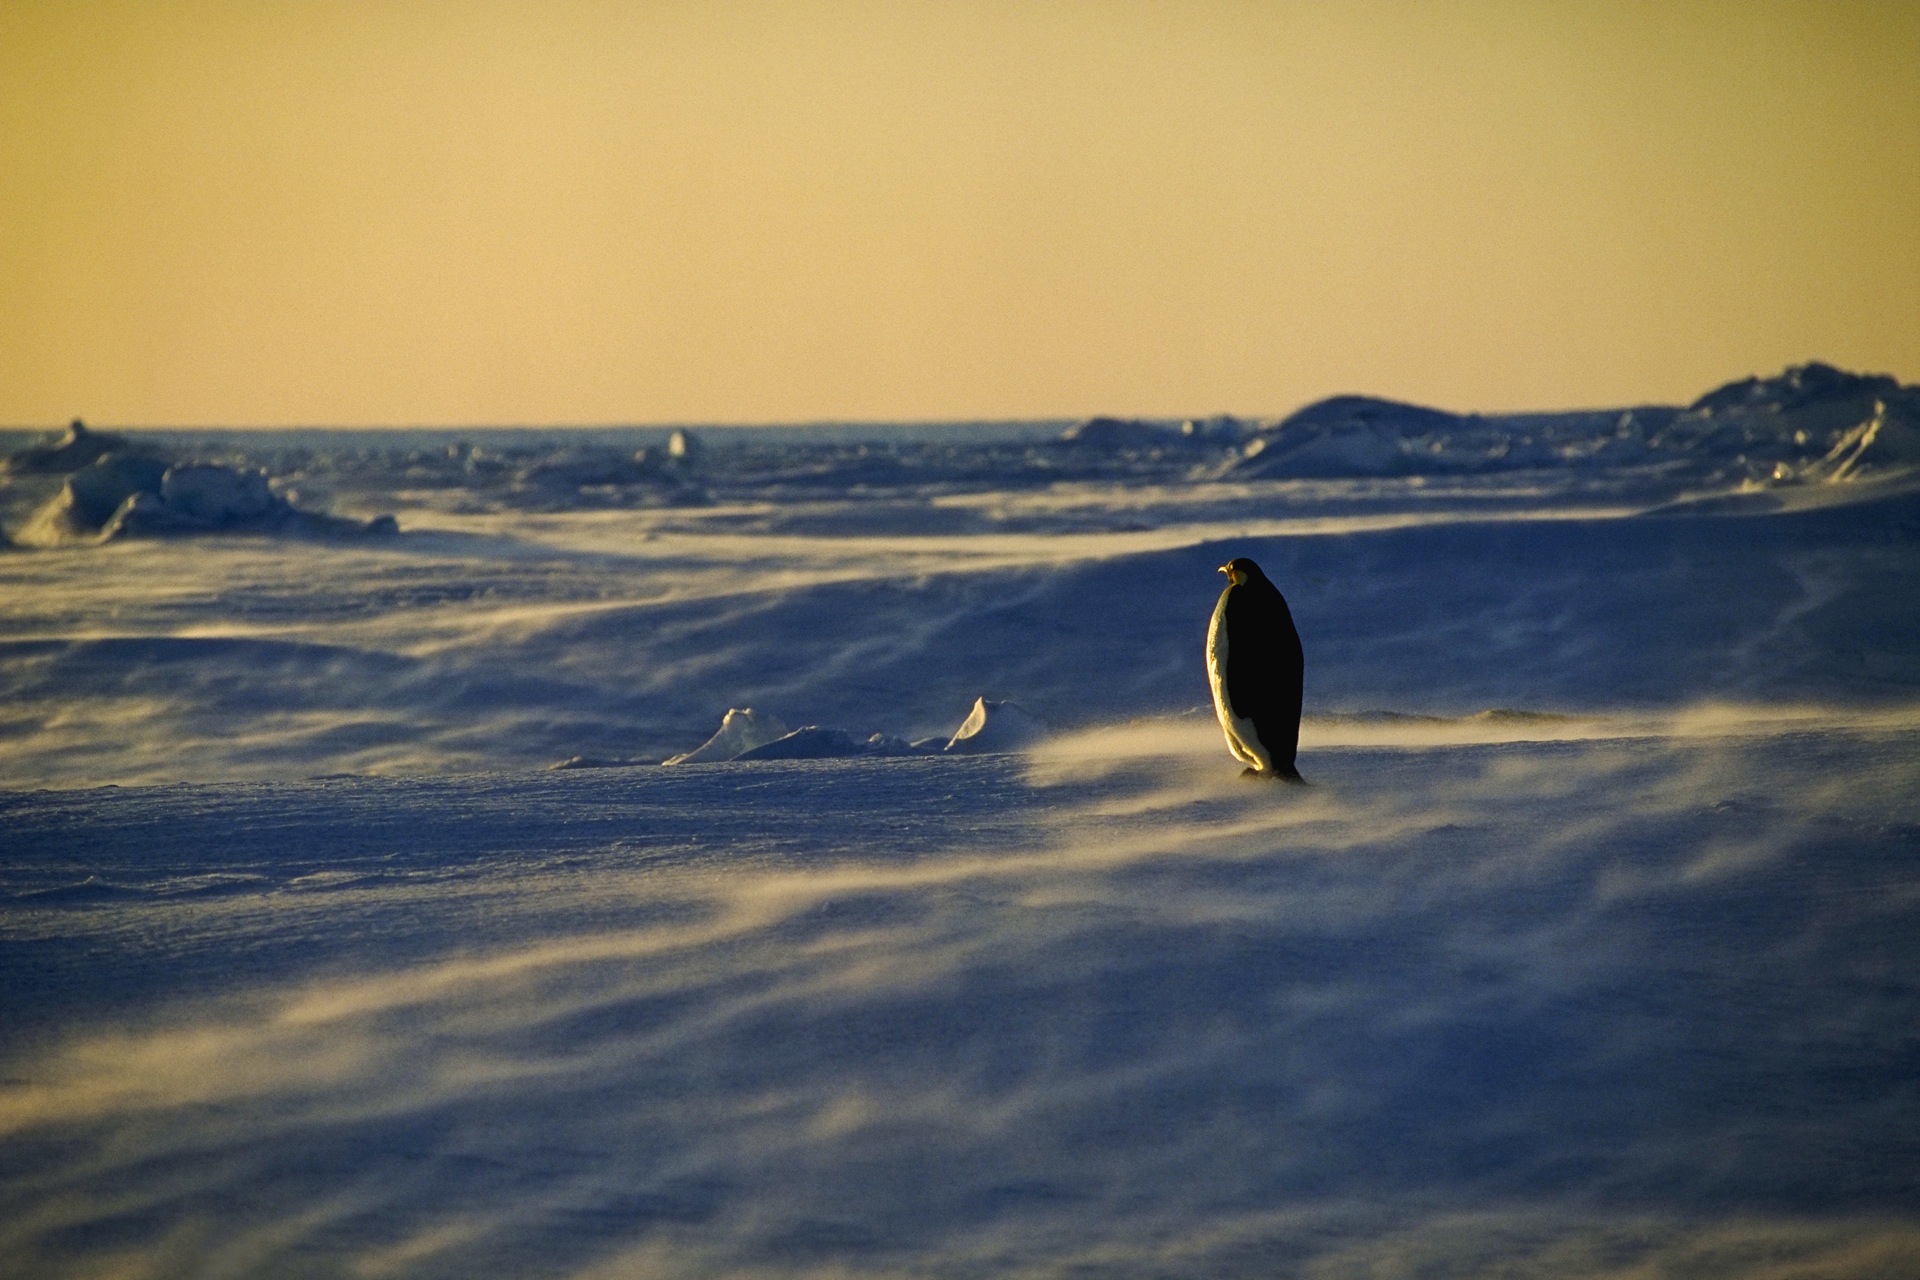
1240	570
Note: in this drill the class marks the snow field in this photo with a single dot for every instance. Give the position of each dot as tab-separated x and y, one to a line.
143	663
1457	1007
1589	952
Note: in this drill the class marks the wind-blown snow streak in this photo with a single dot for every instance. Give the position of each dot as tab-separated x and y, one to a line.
253	659
1595	1007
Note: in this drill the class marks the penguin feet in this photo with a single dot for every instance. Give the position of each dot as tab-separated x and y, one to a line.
1291	776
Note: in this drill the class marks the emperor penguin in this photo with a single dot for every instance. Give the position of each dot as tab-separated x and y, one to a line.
1256	667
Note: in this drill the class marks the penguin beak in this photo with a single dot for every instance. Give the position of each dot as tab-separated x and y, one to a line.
1233	579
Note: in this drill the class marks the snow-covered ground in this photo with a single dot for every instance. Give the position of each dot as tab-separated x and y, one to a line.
1591	950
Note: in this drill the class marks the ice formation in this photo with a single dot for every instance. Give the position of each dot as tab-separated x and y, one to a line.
114	490
683	447
1122	433
745	734
879	581
741	730
1802	424
995	727
79	447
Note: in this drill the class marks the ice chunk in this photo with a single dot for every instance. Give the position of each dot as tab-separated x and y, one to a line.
580	467
1120	434
1222	428
993	727
885	744
218	495
78	448
1797	387
598	762
147	515
97	491
1365	450
136	493
91	495
741	729
1882	441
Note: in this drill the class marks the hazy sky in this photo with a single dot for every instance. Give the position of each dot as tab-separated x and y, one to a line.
290	212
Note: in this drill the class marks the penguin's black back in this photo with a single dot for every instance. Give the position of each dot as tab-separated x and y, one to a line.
1266	668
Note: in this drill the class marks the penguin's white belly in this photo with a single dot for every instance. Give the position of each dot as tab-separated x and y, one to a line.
1241	739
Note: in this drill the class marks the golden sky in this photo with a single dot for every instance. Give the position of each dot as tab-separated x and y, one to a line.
294	212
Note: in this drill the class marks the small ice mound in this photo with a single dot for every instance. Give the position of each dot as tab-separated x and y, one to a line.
1515	716
598	762
810	742
995	727
92	496
78	448
138	494
1366	449
1796	387
1883	442
1121	434
217	495
741	730
683	447
815	743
